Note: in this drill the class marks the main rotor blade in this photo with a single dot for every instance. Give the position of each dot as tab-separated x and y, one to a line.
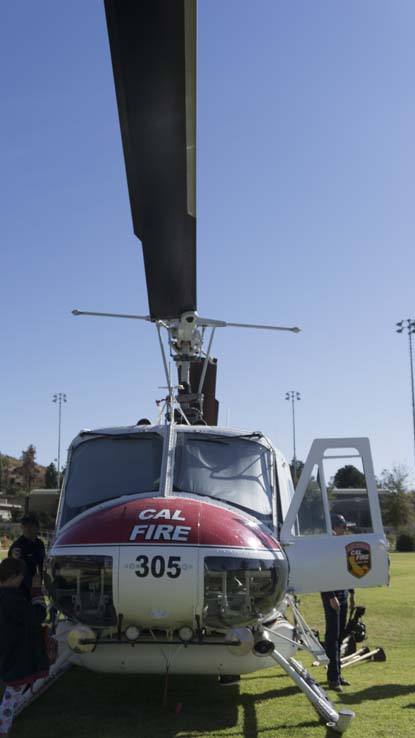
295	329
225	324
153	50
111	315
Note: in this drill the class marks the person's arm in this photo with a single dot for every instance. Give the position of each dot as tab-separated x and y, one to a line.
42	549
38	600
332	599
352	602
40	552
41	557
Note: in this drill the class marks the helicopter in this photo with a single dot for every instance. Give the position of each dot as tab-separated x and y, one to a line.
180	544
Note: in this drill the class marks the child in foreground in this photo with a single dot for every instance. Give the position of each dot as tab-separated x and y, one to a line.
23	657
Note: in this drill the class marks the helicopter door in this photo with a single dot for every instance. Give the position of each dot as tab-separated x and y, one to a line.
319	560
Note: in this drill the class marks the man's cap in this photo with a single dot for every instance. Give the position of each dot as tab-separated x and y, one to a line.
339	521
30	519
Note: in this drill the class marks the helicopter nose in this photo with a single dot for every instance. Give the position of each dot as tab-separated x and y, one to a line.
175	562
163	521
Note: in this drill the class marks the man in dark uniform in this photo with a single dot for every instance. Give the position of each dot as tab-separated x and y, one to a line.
335	611
30	549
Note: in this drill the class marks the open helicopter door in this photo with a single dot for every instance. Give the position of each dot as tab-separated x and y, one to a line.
319	560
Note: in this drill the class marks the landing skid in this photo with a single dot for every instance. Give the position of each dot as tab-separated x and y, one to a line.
337	721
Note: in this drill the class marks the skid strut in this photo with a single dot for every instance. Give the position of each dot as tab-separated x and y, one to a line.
338	721
58	669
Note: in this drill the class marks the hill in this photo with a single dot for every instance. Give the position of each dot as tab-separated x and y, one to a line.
12	479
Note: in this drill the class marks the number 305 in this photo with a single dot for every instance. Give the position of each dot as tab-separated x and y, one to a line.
157	566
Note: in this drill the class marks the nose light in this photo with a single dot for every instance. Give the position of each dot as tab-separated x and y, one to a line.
185	633
76	639
132	633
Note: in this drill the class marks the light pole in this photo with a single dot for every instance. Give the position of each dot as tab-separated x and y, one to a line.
293	395
59	398
410	327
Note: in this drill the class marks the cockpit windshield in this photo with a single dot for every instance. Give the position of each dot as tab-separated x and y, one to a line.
229	468
107	467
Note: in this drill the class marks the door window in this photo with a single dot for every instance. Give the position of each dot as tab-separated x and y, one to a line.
311	515
347	489
338	477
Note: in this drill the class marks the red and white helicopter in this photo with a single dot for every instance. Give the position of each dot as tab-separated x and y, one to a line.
178	543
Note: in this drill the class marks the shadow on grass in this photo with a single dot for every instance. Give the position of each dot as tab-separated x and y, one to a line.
255	676
273	730
380	692
249	703
91	705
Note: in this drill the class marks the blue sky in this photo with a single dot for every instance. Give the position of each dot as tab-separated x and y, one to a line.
306	116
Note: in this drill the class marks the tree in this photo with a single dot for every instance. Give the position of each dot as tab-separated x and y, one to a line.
397	503
51	477
348	477
14	485
395	479
296	473
6	476
397	510
28	467
311	513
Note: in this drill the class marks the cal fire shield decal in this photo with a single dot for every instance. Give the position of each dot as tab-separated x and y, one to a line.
359	561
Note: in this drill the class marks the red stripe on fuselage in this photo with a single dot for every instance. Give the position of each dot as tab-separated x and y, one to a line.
171	520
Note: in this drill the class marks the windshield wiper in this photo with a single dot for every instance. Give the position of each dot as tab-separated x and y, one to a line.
254	434
122	436
205	439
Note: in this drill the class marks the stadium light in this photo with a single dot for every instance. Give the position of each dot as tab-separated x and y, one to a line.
408	324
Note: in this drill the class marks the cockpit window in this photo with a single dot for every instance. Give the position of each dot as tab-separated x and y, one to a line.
235	470
105	468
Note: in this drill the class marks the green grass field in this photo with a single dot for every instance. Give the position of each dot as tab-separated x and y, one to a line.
267	703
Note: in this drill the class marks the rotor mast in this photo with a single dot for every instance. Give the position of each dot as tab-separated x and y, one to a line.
186	337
